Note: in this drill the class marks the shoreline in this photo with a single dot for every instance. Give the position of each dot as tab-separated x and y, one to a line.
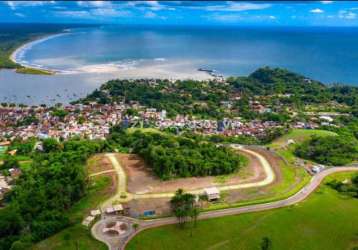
19	51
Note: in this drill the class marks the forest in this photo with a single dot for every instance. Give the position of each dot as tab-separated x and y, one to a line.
333	150
171	156
205	98
36	207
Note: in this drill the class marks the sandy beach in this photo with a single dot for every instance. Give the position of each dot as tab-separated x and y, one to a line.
17	55
150	68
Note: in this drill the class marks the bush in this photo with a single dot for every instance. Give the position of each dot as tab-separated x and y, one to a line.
330	150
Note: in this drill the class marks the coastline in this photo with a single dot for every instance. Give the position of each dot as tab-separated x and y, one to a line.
27	68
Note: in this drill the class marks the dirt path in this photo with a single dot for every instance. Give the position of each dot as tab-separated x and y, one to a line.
296	198
103	172
121	192
123	196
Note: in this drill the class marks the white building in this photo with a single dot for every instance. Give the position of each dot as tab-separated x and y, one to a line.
212	193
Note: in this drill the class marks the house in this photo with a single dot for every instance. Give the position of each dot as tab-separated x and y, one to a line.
94	213
212	193
87	222
317	168
326	118
116	209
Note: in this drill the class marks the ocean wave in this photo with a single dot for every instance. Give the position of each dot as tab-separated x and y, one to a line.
160	59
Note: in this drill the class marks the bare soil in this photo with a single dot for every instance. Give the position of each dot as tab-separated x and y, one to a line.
140	178
136	208
98	163
253	193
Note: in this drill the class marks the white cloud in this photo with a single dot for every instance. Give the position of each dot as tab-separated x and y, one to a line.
96	4
150	14
108	12
93	13
74	13
344	14
317	11
15	4
234	7
226	18
326	2
272	17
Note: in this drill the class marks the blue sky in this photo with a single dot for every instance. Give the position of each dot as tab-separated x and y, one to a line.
299	13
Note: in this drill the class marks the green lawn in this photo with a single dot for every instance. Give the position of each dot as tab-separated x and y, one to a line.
299	135
326	221
72	238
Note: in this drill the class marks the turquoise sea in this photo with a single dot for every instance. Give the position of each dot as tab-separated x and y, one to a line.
87	57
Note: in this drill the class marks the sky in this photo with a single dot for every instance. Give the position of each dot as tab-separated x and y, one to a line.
247	13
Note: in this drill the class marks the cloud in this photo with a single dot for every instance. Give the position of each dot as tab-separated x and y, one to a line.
151	5
15	4
317	11
234	7
326	2
97	4
150	14
344	14
74	13
229	18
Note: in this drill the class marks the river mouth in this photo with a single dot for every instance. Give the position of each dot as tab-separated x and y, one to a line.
85	58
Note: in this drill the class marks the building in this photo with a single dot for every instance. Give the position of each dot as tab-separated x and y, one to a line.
212	193
116	209
88	221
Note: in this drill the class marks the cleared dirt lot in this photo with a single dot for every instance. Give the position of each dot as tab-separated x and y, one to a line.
141	180
98	163
136	208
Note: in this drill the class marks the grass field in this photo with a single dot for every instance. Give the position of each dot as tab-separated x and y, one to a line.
77	237
299	135
326	220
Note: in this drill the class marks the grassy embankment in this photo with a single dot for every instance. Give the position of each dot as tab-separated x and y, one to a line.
78	237
326	220
293	177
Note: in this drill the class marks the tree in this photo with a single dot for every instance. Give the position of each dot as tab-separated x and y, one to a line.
10	162
135	226
51	145
266	243
182	205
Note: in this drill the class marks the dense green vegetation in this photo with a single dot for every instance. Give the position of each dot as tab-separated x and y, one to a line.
76	236
330	150
184	207
38	205
207	99
172	156
333	150
317	223
347	186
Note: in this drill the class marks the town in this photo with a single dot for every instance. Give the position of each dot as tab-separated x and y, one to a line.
94	121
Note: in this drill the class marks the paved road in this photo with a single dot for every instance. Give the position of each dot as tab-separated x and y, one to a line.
296	198
269	178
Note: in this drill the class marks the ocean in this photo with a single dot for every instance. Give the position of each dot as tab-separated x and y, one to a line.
87	57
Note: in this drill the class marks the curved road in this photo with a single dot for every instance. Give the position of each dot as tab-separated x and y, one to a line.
121	188
296	198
